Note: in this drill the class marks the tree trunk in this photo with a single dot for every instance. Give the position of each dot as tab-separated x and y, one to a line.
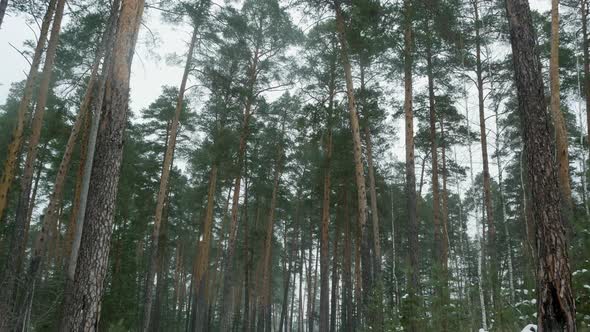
347	315
3	5
445	202
561	148
555	302
584	11
358	164
324	238
82	303
335	273
48	228
226	314
411	204
14	147
92	138
71	228
266	299
19	241
168	156
489	206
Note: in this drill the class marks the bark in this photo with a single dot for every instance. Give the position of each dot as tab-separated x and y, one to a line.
445	204
49	228
347	307
168	156
324	239
247	254
584	11
358	165
489	206
226	313
92	138
411	204
71	228
266	299
555	302
19	241
82	303
561	147
14	147
335	272
3	5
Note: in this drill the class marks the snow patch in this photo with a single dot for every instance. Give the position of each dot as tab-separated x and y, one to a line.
530	328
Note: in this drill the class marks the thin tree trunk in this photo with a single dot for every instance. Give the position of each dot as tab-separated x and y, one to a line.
411	204
19	241
347	269
71	228
14	147
445	199
584	11
266	299
489	207
555	302
226	313
168	156
324	239
335	273
359	168
84	292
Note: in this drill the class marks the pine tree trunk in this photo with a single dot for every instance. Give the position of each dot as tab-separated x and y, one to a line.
14	147
169	155
226	314
3	5
335	272
81	309
438	233
324	238
445	202
71	228
359	168
584	11
19	241
347	308
561	148
555	302
91	144
49	229
266	298
411	204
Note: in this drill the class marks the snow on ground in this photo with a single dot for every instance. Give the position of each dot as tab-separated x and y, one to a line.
530	328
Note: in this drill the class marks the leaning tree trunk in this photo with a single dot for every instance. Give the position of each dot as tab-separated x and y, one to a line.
561	148
555	303
14	147
19	241
413	284
168	156
81	309
3	5
48	224
358	165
